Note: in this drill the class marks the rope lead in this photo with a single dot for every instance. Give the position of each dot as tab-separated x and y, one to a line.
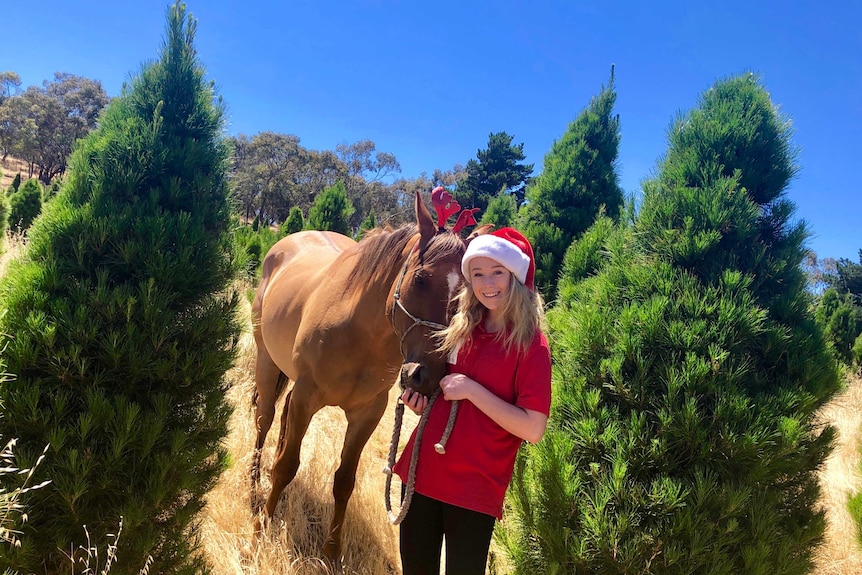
439	447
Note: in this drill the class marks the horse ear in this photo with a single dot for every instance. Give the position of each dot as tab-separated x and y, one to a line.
481	231
427	230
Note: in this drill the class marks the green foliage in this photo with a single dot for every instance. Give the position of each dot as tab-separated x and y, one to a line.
849	277
294	222
16	182
25	205
331	211
124	329
687	372
42	124
12	513
501	211
52	190
579	179
4	213
854	506
368	224
839	309
496	170
857	351
586	256
841	322
252	246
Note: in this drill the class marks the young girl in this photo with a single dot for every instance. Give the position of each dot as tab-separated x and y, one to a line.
500	369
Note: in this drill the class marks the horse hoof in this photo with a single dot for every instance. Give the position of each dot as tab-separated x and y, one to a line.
333	555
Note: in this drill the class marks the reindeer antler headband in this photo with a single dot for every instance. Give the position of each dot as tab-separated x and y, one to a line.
446	206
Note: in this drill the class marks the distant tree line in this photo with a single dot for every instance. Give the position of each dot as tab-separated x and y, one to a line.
838	285
41	124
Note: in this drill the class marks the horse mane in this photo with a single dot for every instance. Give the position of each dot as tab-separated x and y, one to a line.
380	251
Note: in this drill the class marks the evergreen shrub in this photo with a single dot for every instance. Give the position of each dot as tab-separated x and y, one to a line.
124	327
687	372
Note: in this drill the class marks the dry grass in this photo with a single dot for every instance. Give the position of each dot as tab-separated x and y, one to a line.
12	247
11	166
839	479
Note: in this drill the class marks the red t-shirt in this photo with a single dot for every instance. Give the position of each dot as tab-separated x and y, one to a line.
475	471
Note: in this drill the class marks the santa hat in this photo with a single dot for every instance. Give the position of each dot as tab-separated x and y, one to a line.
507	246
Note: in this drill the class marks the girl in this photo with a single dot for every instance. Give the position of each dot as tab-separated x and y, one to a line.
500	369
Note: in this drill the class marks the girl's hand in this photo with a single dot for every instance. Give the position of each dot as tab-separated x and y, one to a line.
456	386
415	401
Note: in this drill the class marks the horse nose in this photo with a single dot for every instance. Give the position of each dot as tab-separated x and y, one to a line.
411	375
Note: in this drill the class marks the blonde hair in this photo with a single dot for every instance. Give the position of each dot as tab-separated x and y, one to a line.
523	312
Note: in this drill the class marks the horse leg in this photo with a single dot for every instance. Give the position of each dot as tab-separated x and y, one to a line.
266	379
294	425
361	422
279	447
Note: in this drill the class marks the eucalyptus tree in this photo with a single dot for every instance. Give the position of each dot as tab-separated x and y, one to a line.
46	122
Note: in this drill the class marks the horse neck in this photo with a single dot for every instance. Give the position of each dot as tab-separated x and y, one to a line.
375	301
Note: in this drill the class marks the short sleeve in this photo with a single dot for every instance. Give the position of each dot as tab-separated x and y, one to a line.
533	376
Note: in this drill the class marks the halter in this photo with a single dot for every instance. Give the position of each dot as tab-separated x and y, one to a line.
416	320
445	206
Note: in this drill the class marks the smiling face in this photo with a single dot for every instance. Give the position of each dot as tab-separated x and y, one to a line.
490	281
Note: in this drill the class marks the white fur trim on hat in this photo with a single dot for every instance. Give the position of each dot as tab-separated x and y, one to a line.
499	250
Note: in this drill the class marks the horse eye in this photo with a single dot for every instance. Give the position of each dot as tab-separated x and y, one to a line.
419	278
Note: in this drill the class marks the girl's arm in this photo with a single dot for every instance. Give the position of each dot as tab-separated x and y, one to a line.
527	424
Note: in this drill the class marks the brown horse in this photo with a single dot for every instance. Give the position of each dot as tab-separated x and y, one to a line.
340	319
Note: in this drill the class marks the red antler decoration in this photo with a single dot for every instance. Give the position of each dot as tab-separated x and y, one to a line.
445	205
465	219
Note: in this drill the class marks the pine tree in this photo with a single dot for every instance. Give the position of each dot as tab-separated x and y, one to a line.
4	213
840	320
496	170
124	328
578	179
687	373
331	211
501	211
25	204
294	221
368	224
849	278
16	183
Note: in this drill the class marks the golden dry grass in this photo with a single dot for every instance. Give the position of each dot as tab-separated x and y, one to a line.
11	166
12	247
840	478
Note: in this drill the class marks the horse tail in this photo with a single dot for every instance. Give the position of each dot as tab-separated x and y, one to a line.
280	386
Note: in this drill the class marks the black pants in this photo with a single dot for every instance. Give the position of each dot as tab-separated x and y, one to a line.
428	521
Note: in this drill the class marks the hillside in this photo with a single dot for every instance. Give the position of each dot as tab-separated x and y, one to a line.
10	167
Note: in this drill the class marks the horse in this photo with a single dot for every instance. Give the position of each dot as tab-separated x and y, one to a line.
342	321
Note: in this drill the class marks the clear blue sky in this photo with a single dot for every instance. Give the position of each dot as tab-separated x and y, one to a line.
429	81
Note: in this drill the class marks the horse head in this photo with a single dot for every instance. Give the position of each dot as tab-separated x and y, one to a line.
421	300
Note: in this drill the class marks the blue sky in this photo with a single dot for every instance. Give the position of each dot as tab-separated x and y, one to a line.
429	81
